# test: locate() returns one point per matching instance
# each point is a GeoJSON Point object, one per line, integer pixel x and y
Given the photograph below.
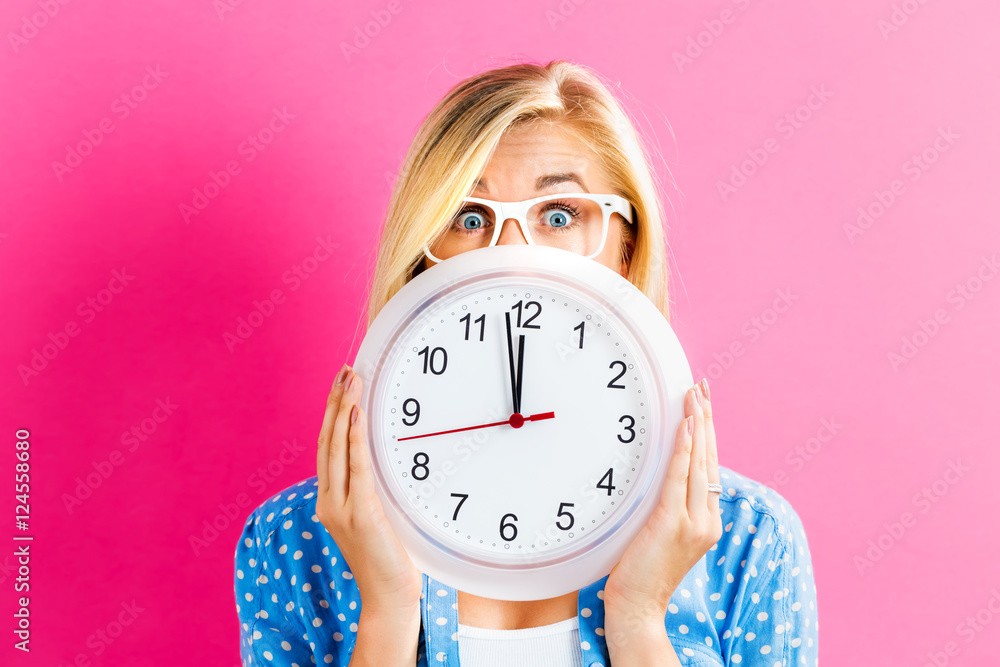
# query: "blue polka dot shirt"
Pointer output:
{"type": "Point", "coordinates": [750, 600]}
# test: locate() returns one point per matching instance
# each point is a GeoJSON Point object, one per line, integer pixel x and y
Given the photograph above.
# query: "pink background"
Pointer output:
{"type": "Point", "coordinates": [327, 174]}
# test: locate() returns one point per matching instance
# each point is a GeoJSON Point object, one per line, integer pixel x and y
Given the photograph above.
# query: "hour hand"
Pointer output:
{"type": "Point", "coordinates": [514, 393]}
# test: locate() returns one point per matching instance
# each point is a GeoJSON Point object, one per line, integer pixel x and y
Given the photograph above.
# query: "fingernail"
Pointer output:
{"type": "Point", "coordinates": [704, 388]}
{"type": "Point", "coordinates": [354, 414]}
{"type": "Point", "coordinates": [354, 377]}
{"type": "Point", "coordinates": [697, 394]}
{"type": "Point", "coordinates": [690, 421]}
{"type": "Point", "coordinates": [341, 375]}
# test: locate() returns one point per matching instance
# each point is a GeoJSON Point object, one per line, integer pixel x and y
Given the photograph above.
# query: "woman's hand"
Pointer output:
{"type": "Point", "coordinates": [347, 505]}
{"type": "Point", "coordinates": [683, 527]}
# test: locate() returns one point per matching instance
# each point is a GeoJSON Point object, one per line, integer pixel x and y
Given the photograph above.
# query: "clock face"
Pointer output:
{"type": "Point", "coordinates": [511, 419]}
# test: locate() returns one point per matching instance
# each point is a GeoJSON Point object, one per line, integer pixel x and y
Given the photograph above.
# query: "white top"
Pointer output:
{"type": "Point", "coordinates": [555, 645]}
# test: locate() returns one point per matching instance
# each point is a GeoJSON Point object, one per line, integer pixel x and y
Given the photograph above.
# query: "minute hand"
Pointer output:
{"type": "Point", "coordinates": [520, 368]}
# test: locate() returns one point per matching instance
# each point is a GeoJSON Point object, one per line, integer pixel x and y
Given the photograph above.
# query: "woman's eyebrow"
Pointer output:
{"type": "Point", "coordinates": [544, 182]}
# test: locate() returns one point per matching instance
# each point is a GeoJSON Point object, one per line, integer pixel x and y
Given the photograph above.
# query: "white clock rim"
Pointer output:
{"type": "Point", "coordinates": [669, 371]}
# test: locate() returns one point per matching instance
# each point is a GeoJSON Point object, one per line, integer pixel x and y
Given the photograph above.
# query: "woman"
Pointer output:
{"type": "Point", "coordinates": [321, 577]}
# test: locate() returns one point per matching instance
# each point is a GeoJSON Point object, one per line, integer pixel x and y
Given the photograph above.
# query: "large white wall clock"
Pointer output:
{"type": "Point", "coordinates": [522, 404]}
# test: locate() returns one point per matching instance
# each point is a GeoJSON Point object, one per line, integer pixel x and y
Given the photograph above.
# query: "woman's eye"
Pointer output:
{"type": "Point", "coordinates": [557, 218]}
{"type": "Point", "coordinates": [470, 221]}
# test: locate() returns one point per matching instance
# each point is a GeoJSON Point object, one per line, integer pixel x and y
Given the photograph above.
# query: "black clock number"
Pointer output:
{"type": "Point", "coordinates": [561, 512]}
{"type": "Point", "coordinates": [414, 412]}
{"type": "Point", "coordinates": [580, 327]}
{"type": "Point", "coordinates": [628, 428]}
{"type": "Point", "coordinates": [420, 465]}
{"type": "Point", "coordinates": [607, 476]}
{"type": "Point", "coordinates": [481, 321]}
{"type": "Point", "coordinates": [612, 385]}
{"type": "Point", "coordinates": [519, 306]}
{"type": "Point", "coordinates": [431, 359]}
{"type": "Point", "coordinates": [504, 526]}
{"type": "Point", "coordinates": [464, 497]}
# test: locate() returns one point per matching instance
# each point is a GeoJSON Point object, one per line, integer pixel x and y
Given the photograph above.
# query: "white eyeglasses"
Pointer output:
{"type": "Point", "coordinates": [577, 222]}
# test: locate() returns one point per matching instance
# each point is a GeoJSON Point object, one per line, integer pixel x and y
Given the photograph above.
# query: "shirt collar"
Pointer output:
{"type": "Point", "coordinates": [439, 624]}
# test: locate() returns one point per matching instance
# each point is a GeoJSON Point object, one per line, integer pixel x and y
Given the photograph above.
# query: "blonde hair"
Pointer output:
{"type": "Point", "coordinates": [454, 144]}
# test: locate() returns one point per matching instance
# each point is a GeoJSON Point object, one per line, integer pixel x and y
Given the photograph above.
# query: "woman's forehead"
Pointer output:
{"type": "Point", "coordinates": [541, 161]}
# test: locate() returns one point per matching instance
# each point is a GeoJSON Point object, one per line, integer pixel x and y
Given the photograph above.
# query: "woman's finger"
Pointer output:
{"type": "Point", "coordinates": [326, 431]}
{"type": "Point", "coordinates": [339, 455]}
{"type": "Point", "coordinates": [674, 493]}
{"type": "Point", "coordinates": [697, 491]}
{"type": "Point", "coordinates": [360, 463]}
{"type": "Point", "coordinates": [711, 451]}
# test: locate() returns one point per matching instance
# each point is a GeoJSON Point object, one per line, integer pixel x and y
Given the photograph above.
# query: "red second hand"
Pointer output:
{"type": "Point", "coordinates": [516, 420]}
